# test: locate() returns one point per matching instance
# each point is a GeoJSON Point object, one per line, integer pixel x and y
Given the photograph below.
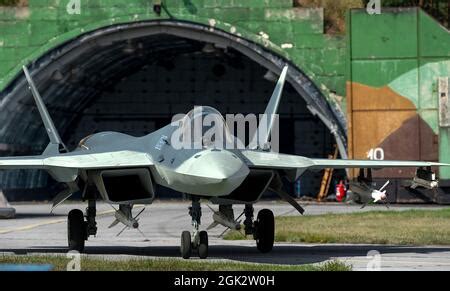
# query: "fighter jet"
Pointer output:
{"type": "Point", "coordinates": [123, 170]}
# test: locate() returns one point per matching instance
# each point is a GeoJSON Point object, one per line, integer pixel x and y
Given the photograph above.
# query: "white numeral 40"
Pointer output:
{"type": "Point", "coordinates": [376, 154]}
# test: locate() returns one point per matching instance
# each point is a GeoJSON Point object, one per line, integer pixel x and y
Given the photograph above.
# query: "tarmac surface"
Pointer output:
{"type": "Point", "coordinates": [36, 231]}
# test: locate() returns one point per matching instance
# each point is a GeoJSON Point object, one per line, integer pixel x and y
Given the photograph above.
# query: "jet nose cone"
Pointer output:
{"type": "Point", "coordinates": [212, 172]}
{"type": "Point", "coordinates": [220, 165]}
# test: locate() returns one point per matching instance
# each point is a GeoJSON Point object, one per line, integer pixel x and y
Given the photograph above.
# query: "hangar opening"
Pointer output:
{"type": "Point", "coordinates": [134, 78]}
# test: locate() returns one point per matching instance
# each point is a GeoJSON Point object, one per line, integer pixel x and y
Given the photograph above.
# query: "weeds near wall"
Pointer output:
{"type": "Point", "coordinates": [13, 2]}
{"type": "Point", "coordinates": [334, 12]}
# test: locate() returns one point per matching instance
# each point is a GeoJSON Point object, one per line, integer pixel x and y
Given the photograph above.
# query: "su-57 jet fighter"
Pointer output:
{"type": "Point", "coordinates": [123, 170]}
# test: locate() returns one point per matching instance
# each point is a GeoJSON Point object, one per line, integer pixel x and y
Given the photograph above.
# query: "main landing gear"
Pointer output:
{"type": "Point", "coordinates": [79, 229]}
{"type": "Point", "coordinates": [263, 228]}
{"type": "Point", "coordinates": [199, 239]}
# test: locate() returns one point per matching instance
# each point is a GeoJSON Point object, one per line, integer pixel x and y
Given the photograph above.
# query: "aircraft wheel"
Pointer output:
{"type": "Point", "coordinates": [186, 246]}
{"type": "Point", "coordinates": [203, 246]}
{"type": "Point", "coordinates": [76, 230]}
{"type": "Point", "coordinates": [265, 230]}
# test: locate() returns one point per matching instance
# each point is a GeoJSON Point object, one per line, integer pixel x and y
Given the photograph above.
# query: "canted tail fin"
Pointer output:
{"type": "Point", "coordinates": [262, 136]}
{"type": "Point", "coordinates": [56, 144]}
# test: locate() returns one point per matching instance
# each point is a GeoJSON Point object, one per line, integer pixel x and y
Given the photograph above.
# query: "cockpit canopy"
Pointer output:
{"type": "Point", "coordinates": [204, 127]}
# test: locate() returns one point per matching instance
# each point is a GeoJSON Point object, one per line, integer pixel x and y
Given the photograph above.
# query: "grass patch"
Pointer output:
{"type": "Point", "coordinates": [409, 227]}
{"type": "Point", "coordinates": [97, 264]}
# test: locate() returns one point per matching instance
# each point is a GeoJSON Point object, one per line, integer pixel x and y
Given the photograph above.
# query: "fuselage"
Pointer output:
{"type": "Point", "coordinates": [209, 172]}
{"type": "Point", "coordinates": [198, 171]}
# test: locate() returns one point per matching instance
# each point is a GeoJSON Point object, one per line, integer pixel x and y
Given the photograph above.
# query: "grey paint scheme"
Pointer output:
{"type": "Point", "coordinates": [206, 172]}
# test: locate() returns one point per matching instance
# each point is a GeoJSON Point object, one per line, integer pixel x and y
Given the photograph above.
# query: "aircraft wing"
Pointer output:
{"type": "Point", "coordinates": [344, 164]}
{"type": "Point", "coordinates": [79, 160]}
{"type": "Point", "coordinates": [66, 167]}
{"type": "Point", "coordinates": [261, 159]}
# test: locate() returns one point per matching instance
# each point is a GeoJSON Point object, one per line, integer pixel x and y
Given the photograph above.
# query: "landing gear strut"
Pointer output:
{"type": "Point", "coordinates": [78, 230]}
{"type": "Point", "coordinates": [248, 222]}
{"type": "Point", "coordinates": [91, 213]}
{"type": "Point", "coordinates": [263, 229]}
{"type": "Point", "coordinates": [199, 239]}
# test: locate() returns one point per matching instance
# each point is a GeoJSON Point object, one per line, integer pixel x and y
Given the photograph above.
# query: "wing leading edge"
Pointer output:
{"type": "Point", "coordinates": [65, 167]}
{"type": "Point", "coordinates": [76, 160]}
{"type": "Point", "coordinates": [260, 159]}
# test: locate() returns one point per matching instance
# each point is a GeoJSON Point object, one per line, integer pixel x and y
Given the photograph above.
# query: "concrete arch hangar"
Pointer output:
{"type": "Point", "coordinates": [75, 77]}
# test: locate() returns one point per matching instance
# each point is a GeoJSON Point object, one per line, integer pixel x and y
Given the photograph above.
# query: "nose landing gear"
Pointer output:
{"type": "Point", "coordinates": [199, 240]}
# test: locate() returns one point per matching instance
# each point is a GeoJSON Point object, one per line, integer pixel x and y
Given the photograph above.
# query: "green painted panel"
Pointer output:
{"type": "Point", "coordinates": [13, 28]}
{"type": "Point", "coordinates": [295, 14]}
{"type": "Point", "coordinates": [333, 83]}
{"type": "Point", "coordinates": [8, 13]}
{"type": "Point", "coordinates": [12, 53]}
{"type": "Point", "coordinates": [184, 3]}
{"type": "Point", "coordinates": [315, 41]}
{"type": "Point", "coordinates": [246, 3]}
{"type": "Point", "coordinates": [49, 3]}
{"type": "Point", "coordinates": [379, 73]}
{"type": "Point", "coordinates": [407, 84]}
{"type": "Point", "coordinates": [430, 71]}
{"type": "Point", "coordinates": [434, 38]}
{"type": "Point", "coordinates": [323, 61]}
{"type": "Point", "coordinates": [45, 13]}
{"type": "Point", "coordinates": [5, 66]}
{"type": "Point", "coordinates": [232, 15]}
{"type": "Point", "coordinates": [444, 152]}
{"type": "Point", "coordinates": [388, 35]}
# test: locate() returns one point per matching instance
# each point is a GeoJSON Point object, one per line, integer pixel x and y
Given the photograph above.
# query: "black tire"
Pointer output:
{"type": "Point", "coordinates": [265, 230]}
{"type": "Point", "coordinates": [76, 230]}
{"type": "Point", "coordinates": [185, 246]}
{"type": "Point", "coordinates": [203, 246]}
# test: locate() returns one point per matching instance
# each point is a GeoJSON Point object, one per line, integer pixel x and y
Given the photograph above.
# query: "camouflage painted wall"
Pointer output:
{"type": "Point", "coordinates": [295, 33]}
{"type": "Point", "coordinates": [393, 59]}
{"type": "Point", "coordinates": [396, 59]}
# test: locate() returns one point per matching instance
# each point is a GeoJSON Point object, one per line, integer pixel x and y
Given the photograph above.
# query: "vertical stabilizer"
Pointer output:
{"type": "Point", "coordinates": [262, 136]}
{"type": "Point", "coordinates": [55, 139]}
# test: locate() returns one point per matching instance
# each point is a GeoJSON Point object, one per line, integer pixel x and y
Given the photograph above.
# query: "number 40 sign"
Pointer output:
{"type": "Point", "coordinates": [376, 154]}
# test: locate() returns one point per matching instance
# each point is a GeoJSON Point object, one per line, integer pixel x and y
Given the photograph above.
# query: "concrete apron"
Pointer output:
{"type": "Point", "coordinates": [6, 211]}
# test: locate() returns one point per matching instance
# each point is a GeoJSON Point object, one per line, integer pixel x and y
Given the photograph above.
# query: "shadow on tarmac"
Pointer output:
{"type": "Point", "coordinates": [282, 254]}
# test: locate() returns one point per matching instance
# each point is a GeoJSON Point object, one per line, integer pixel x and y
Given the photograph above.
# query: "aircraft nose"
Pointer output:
{"type": "Point", "coordinates": [211, 172]}
{"type": "Point", "coordinates": [221, 165]}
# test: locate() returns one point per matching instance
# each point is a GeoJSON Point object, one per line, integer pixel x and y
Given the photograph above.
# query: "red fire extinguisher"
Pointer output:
{"type": "Point", "coordinates": [340, 191]}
